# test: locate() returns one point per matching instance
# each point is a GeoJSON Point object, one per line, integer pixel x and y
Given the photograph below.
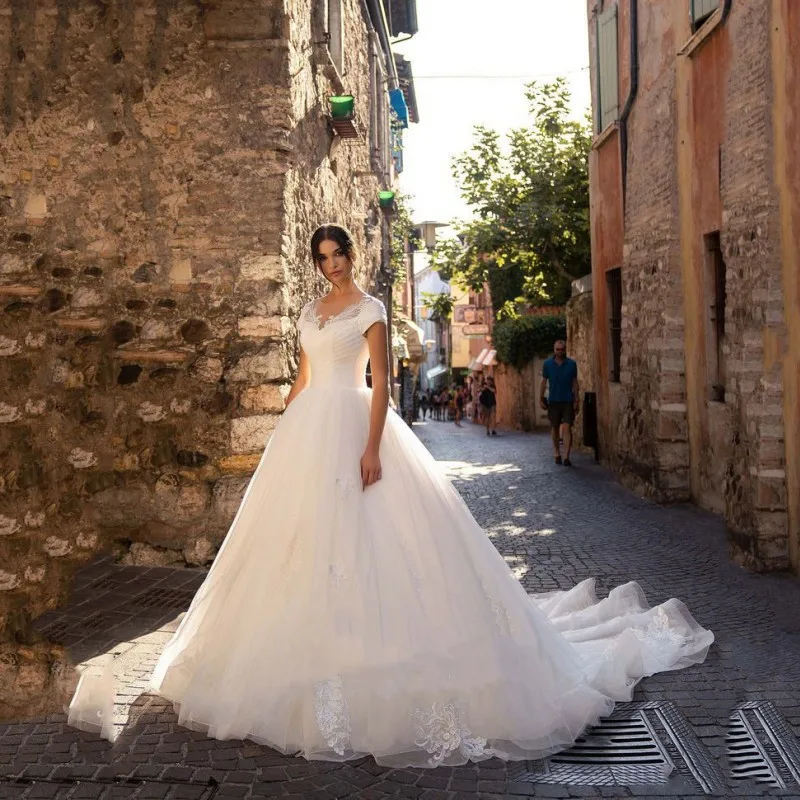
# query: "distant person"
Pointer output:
{"type": "Point", "coordinates": [459, 406]}
{"type": "Point", "coordinates": [488, 401]}
{"type": "Point", "coordinates": [560, 378]}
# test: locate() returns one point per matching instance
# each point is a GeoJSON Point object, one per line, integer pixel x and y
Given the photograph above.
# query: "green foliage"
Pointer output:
{"type": "Point", "coordinates": [519, 339]}
{"type": "Point", "coordinates": [440, 305]}
{"type": "Point", "coordinates": [402, 237]}
{"type": "Point", "coordinates": [529, 237]}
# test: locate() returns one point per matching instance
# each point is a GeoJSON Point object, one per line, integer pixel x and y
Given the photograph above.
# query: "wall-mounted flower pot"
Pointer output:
{"type": "Point", "coordinates": [386, 199]}
{"type": "Point", "coordinates": [342, 106]}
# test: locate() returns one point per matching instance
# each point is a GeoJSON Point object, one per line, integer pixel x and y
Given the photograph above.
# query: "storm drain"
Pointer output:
{"type": "Point", "coordinates": [639, 744]}
{"type": "Point", "coordinates": [202, 791]}
{"type": "Point", "coordinates": [761, 746]}
{"type": "Point", "coordinates": [163, 598]}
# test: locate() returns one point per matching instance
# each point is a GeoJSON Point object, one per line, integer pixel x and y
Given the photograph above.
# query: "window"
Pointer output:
{"type": "Point", "coordinates": [334, 31]}
{"type": "Point", "coordinates": [607, 70]}
{"type": "Point", "coordinates": [715, 285]}
{"type": "Point", "coordinates": [614, 284]}
{"type": "Point", "coordinates": [701, 10]}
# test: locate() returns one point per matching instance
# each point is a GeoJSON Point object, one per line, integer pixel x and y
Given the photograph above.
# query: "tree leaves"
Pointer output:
{"type": "Point", "coordinates": [530, 200]}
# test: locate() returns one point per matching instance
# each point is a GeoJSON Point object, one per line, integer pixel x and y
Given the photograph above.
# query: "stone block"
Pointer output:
{"type": "Point", "coordinates": [239, 465]}
{"type": "Point", "coordinates": [11, 263]}
{"type": "Point", "coordinates": [259, 267]}
{"type": "Point", "coordinates": [226, 496]}
{"type": "Point", "coordinates": [141, 554]}
{"type": "Point", "coordinates": [250, 434]}
{"type": "Point", "coordinates": [267, 397]}
{"type": "Point", "coordinates": [177, 504]}
{"type": "Point", "coordinates": [771, 492]}
{"type": "Point", "coordinates": [121, 507]}
{"type": "Point", "coordinates": [199, 551]}
{"type": "Point", "coordinates": [181, 271]}
{"type": "Point", "coordinates": [240, 20]}
{"type": "Point", "coordinates": [258, 327]}
{"type": "Point", "coordinates": [155, 329]}
{"type": "Point", "coordinates": [256, 369]}
{"type": "Point", "coordinates": [208, 370]}
{"type": "Point", "coordinates": [672, 426]}
{"type": "Point", "coordinates": [673, 455]}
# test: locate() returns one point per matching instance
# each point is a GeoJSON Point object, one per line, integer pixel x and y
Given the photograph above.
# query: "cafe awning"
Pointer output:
{"type": "Point", "coordinates": [413, 338]}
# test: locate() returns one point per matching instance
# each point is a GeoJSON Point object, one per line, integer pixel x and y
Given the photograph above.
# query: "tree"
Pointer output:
{"type": "Point", "coordinates": [529, 237]}
{"type": "Point", "coordinates": [439, 304]}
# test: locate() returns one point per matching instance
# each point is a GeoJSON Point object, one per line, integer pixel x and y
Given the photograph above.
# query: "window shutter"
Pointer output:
{"type": "Point", "coordinates": [607, 69]}
{"type": "Point", "coordinates": [702, 8]}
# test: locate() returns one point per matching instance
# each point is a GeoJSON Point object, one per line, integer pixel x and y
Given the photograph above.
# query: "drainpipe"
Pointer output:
{"type": "Point", "coordinates": [634, 88]}
{"type": "Point", "coordinates": [374, 11]}
{"type": "Point", "coordinates": [726, 10]}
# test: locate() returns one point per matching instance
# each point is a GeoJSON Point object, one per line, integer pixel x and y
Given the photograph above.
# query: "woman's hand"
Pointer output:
{"type": "Point", "coordinates": [370, 468]}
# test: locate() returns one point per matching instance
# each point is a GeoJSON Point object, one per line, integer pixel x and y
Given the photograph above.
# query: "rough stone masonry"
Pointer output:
{"type": "Point", "coordinates": [162, 165]}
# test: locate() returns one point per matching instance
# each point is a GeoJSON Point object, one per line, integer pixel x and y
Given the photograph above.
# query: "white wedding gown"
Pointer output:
{"type": "Point", "coordinates": [337, 623]}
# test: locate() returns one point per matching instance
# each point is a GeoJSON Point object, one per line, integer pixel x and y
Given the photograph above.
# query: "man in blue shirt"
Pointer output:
{"type": "Point", "coordinates": [561, 375]}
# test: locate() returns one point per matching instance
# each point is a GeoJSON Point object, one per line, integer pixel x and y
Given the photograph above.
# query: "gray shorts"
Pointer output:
{"type": "Point", "coordinates": [561, 414]}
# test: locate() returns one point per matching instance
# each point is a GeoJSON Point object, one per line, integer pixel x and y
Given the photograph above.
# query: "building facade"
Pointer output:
{"type": "Point", "coordinates": [435, 369]}
{"type": "Point", "coordinates": [695, 213]}
{"type": "Point", "coordinates": [162, 167]}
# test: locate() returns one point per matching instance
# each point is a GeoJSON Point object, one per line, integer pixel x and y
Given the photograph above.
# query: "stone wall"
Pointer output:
{"type": "Point", "coordinates": [518, 396]}
{"type": "Point", "coordinates": [580, 347]}
{"type": "Point", "coordinates": [162, 165]}
{"type": "Point", "coordinates": [700, 160]}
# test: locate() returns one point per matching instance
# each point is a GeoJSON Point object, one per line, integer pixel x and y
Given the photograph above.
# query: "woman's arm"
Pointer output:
{"type": "Point", "coordinates": [379, 366]}
{"type": "Point", "coordinates": [302, 379]}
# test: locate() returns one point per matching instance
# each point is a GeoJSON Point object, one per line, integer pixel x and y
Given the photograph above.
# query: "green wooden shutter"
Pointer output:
{"type": "Point", "coordinates": [702, 8]}
{"type": "Point", "coordinates": [607, 69]}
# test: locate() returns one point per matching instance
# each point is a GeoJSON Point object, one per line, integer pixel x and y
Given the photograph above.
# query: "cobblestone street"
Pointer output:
{"type": "Point", "coordinates": [555, 526]}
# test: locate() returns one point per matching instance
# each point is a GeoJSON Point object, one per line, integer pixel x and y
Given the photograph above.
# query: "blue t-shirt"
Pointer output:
{"type": "Point", "coordinates": [559, 379]}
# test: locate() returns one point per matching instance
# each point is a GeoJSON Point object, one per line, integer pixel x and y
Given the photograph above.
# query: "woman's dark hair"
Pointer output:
{"type": "Point", "coordinates": [333, 233]}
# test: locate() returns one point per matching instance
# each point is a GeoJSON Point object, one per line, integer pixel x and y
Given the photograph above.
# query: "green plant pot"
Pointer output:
{"type": "Point", "coordinates": [342, 106]}
{"type": "Point", "coordinates": [385, 199]}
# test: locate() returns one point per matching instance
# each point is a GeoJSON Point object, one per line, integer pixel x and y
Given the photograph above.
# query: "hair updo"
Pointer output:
{"type": "Point", "coordinates": [333, 233]}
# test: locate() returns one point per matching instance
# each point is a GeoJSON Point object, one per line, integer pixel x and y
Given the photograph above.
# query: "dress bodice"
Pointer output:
{"type": "Point", "coordinates": [336, 346]}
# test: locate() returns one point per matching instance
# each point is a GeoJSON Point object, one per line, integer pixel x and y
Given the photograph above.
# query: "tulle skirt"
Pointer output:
{"type": "Point", "coordinates": [338, 622]}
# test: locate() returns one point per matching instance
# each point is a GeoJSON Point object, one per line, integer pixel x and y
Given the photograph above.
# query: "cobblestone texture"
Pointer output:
{"type": "Point", "coordinates": [554, 526]}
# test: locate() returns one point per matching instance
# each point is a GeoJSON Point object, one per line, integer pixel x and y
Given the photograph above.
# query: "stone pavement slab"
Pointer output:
{"type": "Point", "coordinates": [555, 526]}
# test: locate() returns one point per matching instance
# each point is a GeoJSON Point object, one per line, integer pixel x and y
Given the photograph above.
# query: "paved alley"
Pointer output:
{"type": "Point", "coordinates": [735, 716]}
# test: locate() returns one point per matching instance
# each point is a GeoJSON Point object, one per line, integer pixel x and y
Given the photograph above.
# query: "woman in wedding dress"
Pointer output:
{"type": "Point", "coordinates": [356, 607]}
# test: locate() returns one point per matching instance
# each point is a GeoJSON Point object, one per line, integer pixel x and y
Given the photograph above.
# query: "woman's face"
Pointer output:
{"type": "Point", "coordinates": [333, 261]}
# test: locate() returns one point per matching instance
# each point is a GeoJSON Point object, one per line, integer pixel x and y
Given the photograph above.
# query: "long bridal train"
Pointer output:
{"type": "Point", "coordinates": [337, 623]}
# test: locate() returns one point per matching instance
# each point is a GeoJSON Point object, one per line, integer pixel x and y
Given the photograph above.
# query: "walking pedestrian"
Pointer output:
{"type": "Point", "coordinates": [488, 399]}
{"type": "Point", "coordinates": [560, 379]}
{"type": "Point", "coordinates": [459, 406]}
{"type": "Point", "coordinates": [423, 403]}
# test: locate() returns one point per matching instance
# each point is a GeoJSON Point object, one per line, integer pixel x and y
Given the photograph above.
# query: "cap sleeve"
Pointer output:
{"type": "Point", "coordinates": [372, 312]}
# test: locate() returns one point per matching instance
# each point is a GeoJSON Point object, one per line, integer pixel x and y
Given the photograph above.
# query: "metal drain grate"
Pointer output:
{"type": "Point", "coordinates": [206, 790]}
{"type": "Point", "coordinates": [761, 747]}
{"type": "Point", "coordinates": [163, 598]}
{"type": "Point", "coordinates": [639, 744]}
{"type": "Point", "coordinates": [110, 582]}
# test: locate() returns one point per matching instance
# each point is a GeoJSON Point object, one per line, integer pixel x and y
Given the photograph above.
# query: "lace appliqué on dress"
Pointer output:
{"type": "Point", "coordinates": [501, 614]}
{"type": "Point", "coordinates": [330, 710]}
{"type": "Point", "coordinates": [659, 629]}
{"type": "Point", "coordinates": [338, 575]}
{"type": "Point", "coordinates": [441, 732]}
{"type": "Point", "coordinates": [348, 312]}
{"type": "Point", "coordinates": [345, 485]}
